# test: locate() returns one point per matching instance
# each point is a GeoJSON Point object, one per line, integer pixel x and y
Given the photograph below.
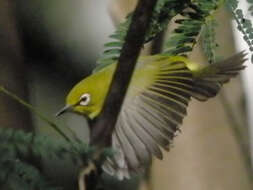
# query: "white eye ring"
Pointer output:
{"type": "Point", "coordinates": [84, 99]}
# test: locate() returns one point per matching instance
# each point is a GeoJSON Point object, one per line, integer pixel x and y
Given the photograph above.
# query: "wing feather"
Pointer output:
{"type": "Point", "coordinates": [127, 147]}
{"type": "Point", "coordinates": [155, 106]}
{"type": "Point", "coordinates": [146, 138]}
{"type": "Point", "coordinates": [165, 112]}
{"type": "Point", "coordinates": [139, 147]}
{"type": "Point", "coordinates": [151, 114]}
{"type": "Point", "coordinates": [169, 126]}
{"type": "Point", "coordinates": [150, 129]}
{"type": "Point", "coordinates": [167, 101]}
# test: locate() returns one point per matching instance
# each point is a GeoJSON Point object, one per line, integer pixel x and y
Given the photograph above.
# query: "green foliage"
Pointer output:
{"type": "Point", "coordinates": [209, 43]}
{"type": "Point", "coordinates": [20, 175]}
{"type": "Point", "coordinates": [195, 15]}
{"type": "Point", "coordinates": [184, 37]}
{"type": "Point", "coordinates": [244, 25]}
{"type": "Point", "coordinates": [15, 148]}
{"type": "Point", "coordinates": [164, 11]}
{"type": "Point", "coordinates": [250, 9]}
{"type": "Point", "coordinates": [21, 155]}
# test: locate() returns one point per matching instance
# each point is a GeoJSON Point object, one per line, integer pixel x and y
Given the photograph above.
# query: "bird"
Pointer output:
{"type": "Point", "coordinates": [155, 104]}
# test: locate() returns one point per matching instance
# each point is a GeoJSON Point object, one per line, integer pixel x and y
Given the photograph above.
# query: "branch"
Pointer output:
{"type": "Point", "coordinates": [104, 126]}
{"type": "Point", "coordinates": [157, 45]}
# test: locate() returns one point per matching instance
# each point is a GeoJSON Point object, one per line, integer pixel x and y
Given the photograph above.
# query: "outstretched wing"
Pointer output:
{"type": "Point", "coordinates": [153, 109]}
{"type": "Point", "coordinates": [155, 106]}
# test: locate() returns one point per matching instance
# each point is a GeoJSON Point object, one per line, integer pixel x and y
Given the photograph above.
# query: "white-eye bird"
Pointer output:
{"type": "Point", "coordinates": [154, 106]}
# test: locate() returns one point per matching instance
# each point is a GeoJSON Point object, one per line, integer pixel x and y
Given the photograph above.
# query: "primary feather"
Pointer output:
{"type": "Point", "coordinates": [154, 106]}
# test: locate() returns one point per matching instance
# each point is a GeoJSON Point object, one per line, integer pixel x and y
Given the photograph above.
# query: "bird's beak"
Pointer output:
{"type": "Point", "coordinates": [66, 108]}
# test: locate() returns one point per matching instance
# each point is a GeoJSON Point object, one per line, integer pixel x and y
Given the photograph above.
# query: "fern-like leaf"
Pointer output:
{"type": "Point", "coordinates": [244, 25]}
{"type": "Point", "coordinates": [208, 39]}
{"type": "Point", "coordinates": [184, 37]}
{"type": "Point", "coordinates": [18, 147]}
{"type": "Point", "coordinates": [164, 11]}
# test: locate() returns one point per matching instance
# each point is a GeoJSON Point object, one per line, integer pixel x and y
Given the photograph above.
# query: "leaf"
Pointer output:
{"type": "Point", "coordinates": [164, 11]}
{"type": "Point", "coordinates": [184, 37]}
{"type": "Point", "coordinates": [243, 25]}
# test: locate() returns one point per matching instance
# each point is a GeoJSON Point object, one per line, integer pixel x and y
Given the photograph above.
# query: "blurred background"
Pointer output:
{"type": "Point", "coordinates": [47, 46]}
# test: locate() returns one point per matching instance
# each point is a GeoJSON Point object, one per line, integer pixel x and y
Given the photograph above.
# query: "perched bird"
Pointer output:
{"type": "Point", "coordinates": [154, 106]}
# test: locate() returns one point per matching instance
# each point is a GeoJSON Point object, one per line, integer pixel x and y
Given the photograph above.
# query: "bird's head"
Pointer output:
{"type": "Point", "coordinates": [85, 98]}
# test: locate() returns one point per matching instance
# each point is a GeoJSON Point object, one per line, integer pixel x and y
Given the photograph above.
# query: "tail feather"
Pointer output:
{"type": "Point", "coordinates": [208, 84]}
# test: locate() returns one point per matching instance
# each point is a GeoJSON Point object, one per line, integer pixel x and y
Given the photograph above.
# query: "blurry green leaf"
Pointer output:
{"type": "Point", "coordinates": [114, 44]}
{"type": "Point", "coordinates": [164, 11]}
{"type": "Point", "coordinates": [183, 38]}
{"type": "Point", "coordinates": [112, 52]}
{"type": "Point", "coordinates": [244, 25]}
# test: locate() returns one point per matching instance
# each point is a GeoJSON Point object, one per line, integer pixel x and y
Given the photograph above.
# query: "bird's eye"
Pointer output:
{"type": "Point", "coordinates": [84, 99]}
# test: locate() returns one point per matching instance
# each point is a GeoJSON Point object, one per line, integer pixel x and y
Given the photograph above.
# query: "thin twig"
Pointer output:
{"type": "Point", "coordinates": [83, 173]}
{"type": "Point", "coordinates": [30, 107]}
{"type": "Point", "coordinates": [157, 44]}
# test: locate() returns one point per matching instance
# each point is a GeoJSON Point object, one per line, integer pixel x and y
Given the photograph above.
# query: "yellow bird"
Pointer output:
{"type": "Point", "coordinates": [154, 106]}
